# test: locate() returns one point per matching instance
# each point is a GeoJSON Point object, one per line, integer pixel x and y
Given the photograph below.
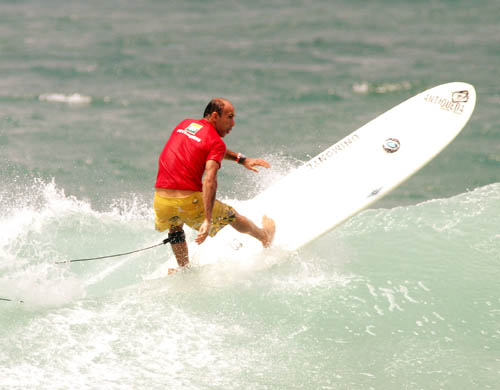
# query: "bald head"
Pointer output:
{"type": "Point", "coordinates": [215, 105]}
{"type": "Point", "coordinates": [220, 113]}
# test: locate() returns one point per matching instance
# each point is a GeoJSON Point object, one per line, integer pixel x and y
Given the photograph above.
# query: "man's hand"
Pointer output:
{"type": "Point", "coordinates": [251, 163]}
{"type": "Point", "coordinates": [203, 232]}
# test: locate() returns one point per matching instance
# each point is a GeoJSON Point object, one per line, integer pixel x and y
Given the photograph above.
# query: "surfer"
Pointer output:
{"type": "Point", "coordinates": [186, 183]}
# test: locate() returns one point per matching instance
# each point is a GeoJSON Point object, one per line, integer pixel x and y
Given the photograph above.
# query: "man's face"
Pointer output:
{"type": "Point", "coordinates": [225, 122]}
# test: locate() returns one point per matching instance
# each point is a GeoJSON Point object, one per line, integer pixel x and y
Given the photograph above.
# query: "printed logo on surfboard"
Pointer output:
{"type": "Point", "coordinates": [236, 245]}
{"type": "Point", "coordinates": [333, 150]}
{"type": "Point", "coordinates": [391, 145]}
{"type": "Point", "coordinates": [460, 96]}
{"type": "Point", "coordinates": [455, 104]}
{"type": "Point", "coordinates": [375, 192]}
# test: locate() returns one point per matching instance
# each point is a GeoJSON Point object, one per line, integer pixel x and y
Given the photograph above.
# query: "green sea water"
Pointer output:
{"type": "Point", "coordinates": [405, 295]}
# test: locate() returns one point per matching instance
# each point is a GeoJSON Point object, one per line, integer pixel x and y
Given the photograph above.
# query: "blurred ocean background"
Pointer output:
{"type": "Point", "coordinates": [406, 295]}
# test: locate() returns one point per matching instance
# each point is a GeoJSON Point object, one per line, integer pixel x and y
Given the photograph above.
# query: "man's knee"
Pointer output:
{"type": "Point", "coordinates": [236, 219]}
{"type": "Point", "coordinates": [242, 223]}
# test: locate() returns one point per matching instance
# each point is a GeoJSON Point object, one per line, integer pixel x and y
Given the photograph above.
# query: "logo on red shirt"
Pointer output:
{"type": "Point", "coordinates": [191, 130]}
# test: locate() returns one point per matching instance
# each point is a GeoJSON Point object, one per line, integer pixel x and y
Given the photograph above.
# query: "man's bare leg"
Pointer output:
{"type": "Point", "coordinates": [180, 249]}
{"type": "Point", "coordinates": [264, 235]}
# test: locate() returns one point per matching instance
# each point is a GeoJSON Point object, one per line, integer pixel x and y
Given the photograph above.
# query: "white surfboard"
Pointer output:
{"type": "Point", "coordinates": [352, 174]}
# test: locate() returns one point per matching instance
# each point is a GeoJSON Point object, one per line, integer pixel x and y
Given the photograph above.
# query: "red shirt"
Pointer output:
{"type": "Point", "coordinates": [182, 161]}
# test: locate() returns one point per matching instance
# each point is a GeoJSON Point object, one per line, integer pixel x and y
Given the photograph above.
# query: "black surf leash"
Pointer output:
{"type": "Point", "coordinates": [165, 241]}
{"type": "Point", "coordinates": [10, 300]}
{"type": "Point", "coordinates": [174, 238]}
{"type": "Point", "coordinates": [171, 238]}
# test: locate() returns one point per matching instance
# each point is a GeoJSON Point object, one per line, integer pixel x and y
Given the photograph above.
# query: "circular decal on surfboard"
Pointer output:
{"type": "Point", "coordinates": [391, 145]}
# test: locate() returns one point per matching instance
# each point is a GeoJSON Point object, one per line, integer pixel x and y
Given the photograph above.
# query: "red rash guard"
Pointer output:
{"type": "Point", "coordinates": [182, 161]}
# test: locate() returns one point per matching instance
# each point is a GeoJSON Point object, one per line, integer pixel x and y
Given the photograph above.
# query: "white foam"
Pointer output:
{"type": "Point", "coordinates": [42, 285]}
{"type": "Point", "coordinates": [31, 212]}
{"type": "Point", "coordinates": [44, 226]}
{"type": "Point", "coordinates": [364, 88]}
{"type": "Point", "coordinates": [74, 98]}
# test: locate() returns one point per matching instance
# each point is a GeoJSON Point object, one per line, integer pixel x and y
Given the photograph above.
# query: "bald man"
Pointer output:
{"type": "Point", "coordinates": [186, 183]}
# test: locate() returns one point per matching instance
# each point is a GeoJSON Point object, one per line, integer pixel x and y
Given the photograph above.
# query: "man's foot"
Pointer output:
{"type": "Point", "coordinates": [180, 269]}
{"type": "Point", "coordinates": [269, 228]}
{"type": "Point", "coordinates": [172, 271]}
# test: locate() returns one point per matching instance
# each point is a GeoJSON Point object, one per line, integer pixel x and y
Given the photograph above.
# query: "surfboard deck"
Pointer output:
{"type": "Point", "coordinates": [352, 174]}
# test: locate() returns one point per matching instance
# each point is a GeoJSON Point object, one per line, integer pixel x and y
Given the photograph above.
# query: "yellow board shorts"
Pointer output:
{"type": "Point", "coordinates": [172, 212]}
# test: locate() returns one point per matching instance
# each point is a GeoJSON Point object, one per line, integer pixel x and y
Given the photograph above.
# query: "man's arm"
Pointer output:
{"type": "Point", "coordinates": [247, 162]}
{"type": "Point", "coordinates": [209, 191]}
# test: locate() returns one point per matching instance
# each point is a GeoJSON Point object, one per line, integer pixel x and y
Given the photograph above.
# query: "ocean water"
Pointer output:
{"type": "Point", "coordinates": [405, 295]}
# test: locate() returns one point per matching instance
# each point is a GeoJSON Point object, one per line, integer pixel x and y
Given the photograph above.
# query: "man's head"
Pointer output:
{"type": "Point", "coordinates": [220, 113]}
